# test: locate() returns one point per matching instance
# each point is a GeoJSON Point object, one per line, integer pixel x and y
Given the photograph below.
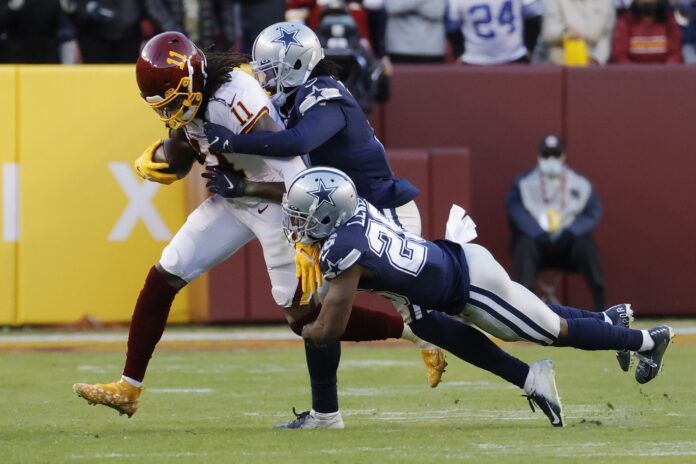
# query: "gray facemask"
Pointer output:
{"type": "Point", "coordinates": [551, 167]}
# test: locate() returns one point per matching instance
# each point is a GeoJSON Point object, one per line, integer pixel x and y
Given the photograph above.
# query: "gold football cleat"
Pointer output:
{"type": "Point", "coordinates": [120, 395]}
{"type": "Point", "coordinates": [435, 364]}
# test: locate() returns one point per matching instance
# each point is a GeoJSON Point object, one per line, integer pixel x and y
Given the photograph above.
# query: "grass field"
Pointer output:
{"type": "Point", "coordinates": [219, 406]}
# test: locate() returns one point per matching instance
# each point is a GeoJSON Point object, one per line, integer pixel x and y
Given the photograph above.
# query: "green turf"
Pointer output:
{"type": "Point", "coordinates": [390, 413]}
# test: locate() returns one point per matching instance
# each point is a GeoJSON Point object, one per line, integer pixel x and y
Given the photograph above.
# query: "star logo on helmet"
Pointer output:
{"type": "Point", "coordinates": [323, 194]}
{"type": "Point", "coordinates": [287, 38]}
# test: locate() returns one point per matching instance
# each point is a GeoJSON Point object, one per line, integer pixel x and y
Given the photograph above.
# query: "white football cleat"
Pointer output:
{"type": "Point", "coordinates": [540, 389]}
{"type": "Point", "coordinates": [314, 420]}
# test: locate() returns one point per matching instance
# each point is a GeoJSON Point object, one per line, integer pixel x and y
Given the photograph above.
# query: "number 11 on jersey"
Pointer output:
{"type": "Point", "coordinates": [241, 113]}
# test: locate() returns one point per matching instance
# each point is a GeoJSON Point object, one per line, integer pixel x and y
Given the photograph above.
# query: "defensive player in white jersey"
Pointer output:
{"type": "Point", "coordinates": [493, 29]}
{"type": "Point", "coordinates": [186, 89]}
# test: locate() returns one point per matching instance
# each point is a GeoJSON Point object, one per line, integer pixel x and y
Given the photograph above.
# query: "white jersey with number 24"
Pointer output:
{"type": "Point", "coordinates": [493, 30]}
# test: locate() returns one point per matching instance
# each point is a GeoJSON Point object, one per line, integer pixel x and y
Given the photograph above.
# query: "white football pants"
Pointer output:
{"type": "Point", "coordinates": [405, 216]}
{"type": "Point", "coordinates": [502, 307]}
{"type": "Point", "coordinates": [217, 228]}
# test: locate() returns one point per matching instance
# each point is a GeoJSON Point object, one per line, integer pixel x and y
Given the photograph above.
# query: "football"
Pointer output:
{"type": "Point", "coordinates": [178, 153]}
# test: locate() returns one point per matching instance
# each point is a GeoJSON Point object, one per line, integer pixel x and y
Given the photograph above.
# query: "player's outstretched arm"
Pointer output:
{"type": "Point", "coordinates": [335, 311]}
{"type": "Point", "coordinates": [230, 183]}
{"type": "Point", "coordinates": [316, 127]}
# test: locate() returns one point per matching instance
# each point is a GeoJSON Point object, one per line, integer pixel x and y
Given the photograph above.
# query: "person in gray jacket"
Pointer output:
{"type": "Point", "coordinates": [415, 31]}
{"type": "Point", "coordinates": [552, 211]}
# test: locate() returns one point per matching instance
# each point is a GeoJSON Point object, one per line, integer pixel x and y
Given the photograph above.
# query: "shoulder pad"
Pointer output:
{"type": "Point", "coordinates": [317, 90]}
{"type": "Point", "coordinates": [336, 257]}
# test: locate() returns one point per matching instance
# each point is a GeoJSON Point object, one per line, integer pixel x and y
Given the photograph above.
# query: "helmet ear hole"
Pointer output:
{"type": "Point", "coordinates": [326, 220]}
{"type": "Point", "coordinates": [298, 65]}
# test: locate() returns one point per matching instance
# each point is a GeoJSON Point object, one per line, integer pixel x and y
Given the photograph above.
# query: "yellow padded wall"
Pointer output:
{"type": "Point", "coordinates": [8, 196]}
{"type": "Point", "coordinates": [90, 228]}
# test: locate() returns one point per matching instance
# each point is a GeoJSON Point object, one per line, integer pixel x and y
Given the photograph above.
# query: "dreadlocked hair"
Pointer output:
{"type": "Point", "coordinates": [325, 67]}
{"type": "Point", "coordinates": [219, 66]}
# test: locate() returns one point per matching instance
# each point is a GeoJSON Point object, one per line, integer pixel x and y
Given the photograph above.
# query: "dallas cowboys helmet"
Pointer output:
{"type": "Point", "coordinates": [317, 203]}
{"type": "Point", "coordinates": [284, 55]}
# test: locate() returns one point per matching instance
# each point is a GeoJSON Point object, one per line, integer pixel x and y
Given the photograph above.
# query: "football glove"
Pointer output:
{"type": "Point", "coordinates": [219, 138]}
{"type": "Point", "coordinates": [150, 170]}
{"type": "Point", "coordinates": [307, 268]}
{"type": "Point", "coordinates": [225, 181]}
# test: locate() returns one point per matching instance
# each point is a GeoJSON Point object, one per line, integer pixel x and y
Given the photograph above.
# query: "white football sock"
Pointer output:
{"type": "Point", "coordinates": [324, 415]}
{"type": "Point", "coordinates": [408, 334]}
{"type": "Point", "coordinates": [529, 382]}
{"type": "Point", "coordinates": [648, 342]}
{"type": "Point", "coordinates": [133, 382]}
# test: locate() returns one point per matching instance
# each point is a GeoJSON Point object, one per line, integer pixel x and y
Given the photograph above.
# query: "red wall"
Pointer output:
{"type": "Point", "coordinates": [628, 129]}
{"type": "Point", "coordinates": [632, 130]}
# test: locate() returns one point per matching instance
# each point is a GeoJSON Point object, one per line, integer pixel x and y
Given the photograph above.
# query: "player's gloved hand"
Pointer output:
{"type": "Point", "coordinates": [307, 267]}
{"type": "Point", "coordinates": [219, 138]}
{"type": "Point", "coordinates": [150, 170]}
{"type": "Point", "coordinates": [225, 181]}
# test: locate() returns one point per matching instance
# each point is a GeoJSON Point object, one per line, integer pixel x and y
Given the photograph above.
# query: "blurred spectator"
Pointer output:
{"type": "Point", "coordinates": [552, 211]}
{"type": "Point", "coordinates": [532, 11]}
{"type": "Point", "coordinates": [69, 49]}
{"type": "Point", "coordinates": [377, 25]}
{"type": "Point", "coordinates": [685, 15]}
{"type": "Point", "coordinates": [493, 30]}
{"type": "Point", "coordinates": [299, 10]}
{"type": "Point", "coordinates": [108, 30]}
{"type": "Point", "coordinates": [415, 31]}
{"type": "Point", "coordinates": [648, 33]}
{"type": "Point", "coordinates": [454, 35]}
{"type": "Point", "coordinates": [580, 26]}
{"type": "Point", "coordinates": [31, 31]}
{"type": "Point", "coordinates": [621, 5]}
{"type": "Point", "coordinates": [311, 11]}
{"type": "Point", "coordinates": [256, 16]}
{"type": "Point", "coordinates": [360, 71]}
{"type": "Point", "coordinates": [211, 24]}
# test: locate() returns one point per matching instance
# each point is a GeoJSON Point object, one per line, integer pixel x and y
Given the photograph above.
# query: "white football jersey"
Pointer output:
{"type": "Point", "coordinates": [238, 104]}
{"type": "Point", "coordinates": [493, 30]}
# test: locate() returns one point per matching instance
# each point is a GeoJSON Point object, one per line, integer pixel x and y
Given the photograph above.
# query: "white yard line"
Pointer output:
{"type": "Point", "coordinates": [198, 391]}
{"type": "Point", "coordinates": [203, 336]}
{"type": "Point", "coordinates": [176, 336]}
{"type": "Point", "coordinates": [183, 454]}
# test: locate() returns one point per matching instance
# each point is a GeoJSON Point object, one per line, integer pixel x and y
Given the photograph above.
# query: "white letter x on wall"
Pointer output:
{"type": "Point", "coordinates": [140, 194]}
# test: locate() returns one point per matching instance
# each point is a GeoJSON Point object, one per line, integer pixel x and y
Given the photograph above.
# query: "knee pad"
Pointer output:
{"type": "Point", "coordinates": [285, 287]}
{"type": "Point", "coordinates": [284, 296]}
{"type": "Point", "coordinates": [176, 259]}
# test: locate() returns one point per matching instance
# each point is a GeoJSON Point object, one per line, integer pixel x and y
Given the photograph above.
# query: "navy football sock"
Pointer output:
{"type": "Point", "coordinates": [322, 364]}
{"type": "Point", "coordinates": [566, 312]}
{"type": "Point", "coordinates": [471, 345]}
{"type": "Point", "coordinates": [593, 334]}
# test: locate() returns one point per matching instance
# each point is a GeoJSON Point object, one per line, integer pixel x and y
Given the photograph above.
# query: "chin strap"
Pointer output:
{"type": "Point", "coordinates": [280, 98]}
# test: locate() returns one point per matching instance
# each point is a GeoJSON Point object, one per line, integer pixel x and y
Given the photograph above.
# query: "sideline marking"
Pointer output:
{"type": "Point", "coordinates": [168, 337]}
{"type": "Point", "coordinates": [199, 391]}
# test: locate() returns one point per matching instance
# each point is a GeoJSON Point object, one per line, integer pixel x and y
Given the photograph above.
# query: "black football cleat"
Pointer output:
{"type": "Point", "coordinates": [540, 389]}
{"type": "Point", "coordinates": [650, 362]}
{"type": "Point", "coordinates": [622, 315]}
{"type": "Point", "coordinates": [310, 420]}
